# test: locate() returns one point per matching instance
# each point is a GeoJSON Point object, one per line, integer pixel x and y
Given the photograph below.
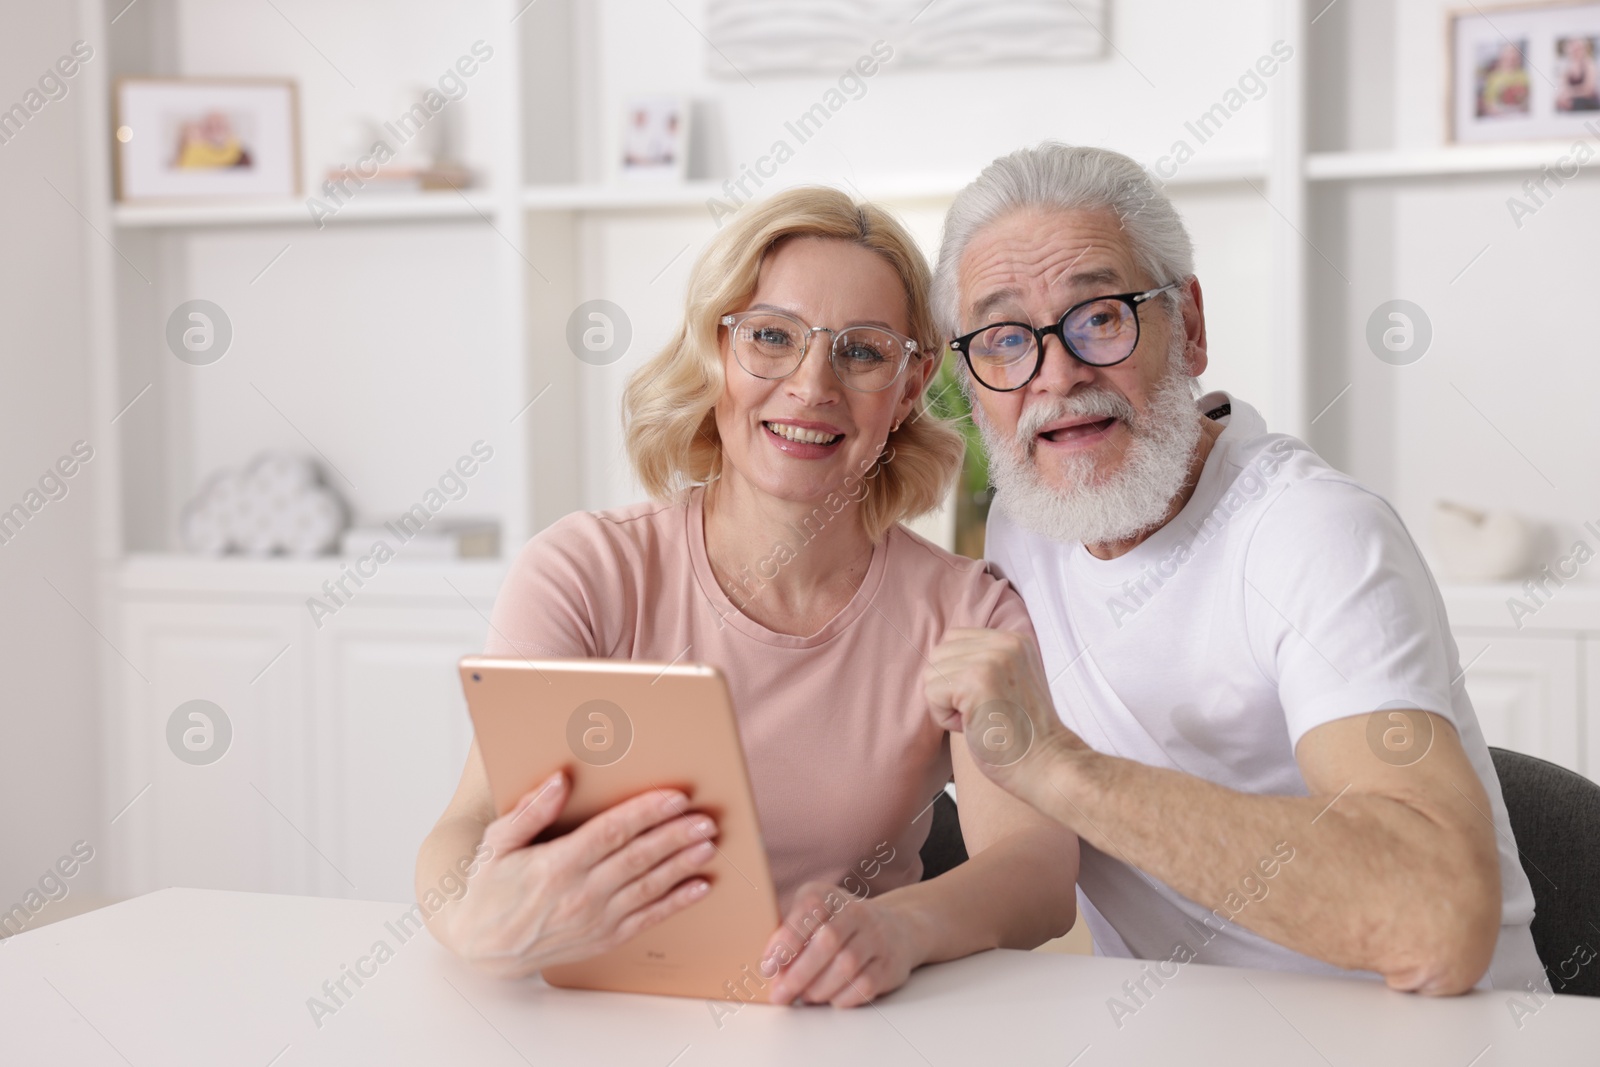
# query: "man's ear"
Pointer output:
{"type": "Point", "coordinates": [1195, 357]}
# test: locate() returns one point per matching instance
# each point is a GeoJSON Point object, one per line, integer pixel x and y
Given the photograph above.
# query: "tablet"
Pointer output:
{"type": "Point", "coordinates": [620, 728]}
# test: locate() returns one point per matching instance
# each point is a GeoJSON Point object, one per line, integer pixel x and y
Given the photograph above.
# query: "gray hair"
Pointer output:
{"type": "Point", "coordinates": [1063, 177]}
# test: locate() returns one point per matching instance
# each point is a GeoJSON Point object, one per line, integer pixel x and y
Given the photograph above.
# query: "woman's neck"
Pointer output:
{"type": "Point", "coordinates": [789, 566]}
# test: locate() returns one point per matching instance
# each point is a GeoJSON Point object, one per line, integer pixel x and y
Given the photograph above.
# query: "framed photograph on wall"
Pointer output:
{"type": "Point", "coordinates": [1528, 71]}
{"type": "Point", "coordinates": [655, 139]}
{"type": "Point", "coordinates": [206, 138]}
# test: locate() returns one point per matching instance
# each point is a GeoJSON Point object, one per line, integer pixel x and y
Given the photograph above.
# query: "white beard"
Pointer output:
{"type": "Point", "coordinates": [1085, 506]}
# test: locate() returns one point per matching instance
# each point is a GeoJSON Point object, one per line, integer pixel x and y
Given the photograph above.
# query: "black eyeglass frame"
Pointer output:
{"type": "Point", "coordinates": [908, 347]}
{"type": "Point", "coordinates": [1058, 330]}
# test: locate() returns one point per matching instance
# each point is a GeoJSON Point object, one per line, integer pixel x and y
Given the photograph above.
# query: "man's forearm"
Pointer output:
{"type": "Point", "coordinates": [1374, 883]}
{"type": "Point", "coordinates": [1018, 893]}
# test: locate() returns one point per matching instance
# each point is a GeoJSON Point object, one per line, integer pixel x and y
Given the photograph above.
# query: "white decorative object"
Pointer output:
{"type": "Point", "coordinates": [1482, 546]}
{"type": "Point", "coordinates": [275, 506]}
{"type": "Point", "coordinates": [761, 37]}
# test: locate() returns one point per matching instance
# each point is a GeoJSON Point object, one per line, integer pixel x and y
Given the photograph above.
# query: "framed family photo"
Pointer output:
{"type": "Point", "coordinates": [1521, 72]}
{"type": "Point", "coordinates": [655, 139]}
{"type": "Point", "coordinates": [203, 138]}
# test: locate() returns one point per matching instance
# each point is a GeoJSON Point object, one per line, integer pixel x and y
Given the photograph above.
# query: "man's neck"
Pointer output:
{"type": "Point", "coordinates": [1210, 430]}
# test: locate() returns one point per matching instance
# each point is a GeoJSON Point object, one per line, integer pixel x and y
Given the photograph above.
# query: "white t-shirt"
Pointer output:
{"type": "Point", "coordinates": [1283, 596]}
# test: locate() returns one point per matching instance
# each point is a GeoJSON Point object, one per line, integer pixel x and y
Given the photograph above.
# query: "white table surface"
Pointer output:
{"type": "Point", "coordinates": [188, 976]}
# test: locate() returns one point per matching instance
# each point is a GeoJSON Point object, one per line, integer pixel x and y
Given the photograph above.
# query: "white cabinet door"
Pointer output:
{"type": "Point", "coordinates": [1526, 692]}
{"type": "Point", "coordinates": [392, 736]}
{"type": "Point", "coordinates": [238, 822]}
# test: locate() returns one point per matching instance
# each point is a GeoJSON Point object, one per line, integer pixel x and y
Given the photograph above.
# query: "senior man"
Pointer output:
{"type": "Point", "coordinates": [1249, 706]}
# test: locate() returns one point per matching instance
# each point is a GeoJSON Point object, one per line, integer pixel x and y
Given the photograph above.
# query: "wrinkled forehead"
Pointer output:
{"type": "Point", "coordinates": [1035, 260]}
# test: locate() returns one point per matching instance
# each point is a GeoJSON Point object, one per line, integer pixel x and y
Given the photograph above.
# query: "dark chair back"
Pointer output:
{"type": "Point", "coordinates": [1555, 815]}
{"type": "Point", "coordinates": [945, 847]}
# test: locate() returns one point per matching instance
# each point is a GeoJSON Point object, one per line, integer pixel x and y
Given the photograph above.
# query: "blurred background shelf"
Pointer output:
{"type": "Point", "coordinates": [1464, 160]}
{"type": "Point", "coordinates": [368, 207]}
{"type": "Point", "coordinates": [157, 573]}
{"type": "Point", "coordinates": [891, 188]}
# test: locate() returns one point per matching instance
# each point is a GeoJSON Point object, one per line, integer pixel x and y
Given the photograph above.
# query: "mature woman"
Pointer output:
{"type": "Point", "coordinates": [783, 436]}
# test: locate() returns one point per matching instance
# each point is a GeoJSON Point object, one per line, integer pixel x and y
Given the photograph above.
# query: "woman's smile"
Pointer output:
{"type": "Point", "coordinates": [802, 439]}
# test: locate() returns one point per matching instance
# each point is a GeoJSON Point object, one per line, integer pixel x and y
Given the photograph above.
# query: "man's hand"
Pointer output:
{"type": "Point", "coordinates": [989, 685]}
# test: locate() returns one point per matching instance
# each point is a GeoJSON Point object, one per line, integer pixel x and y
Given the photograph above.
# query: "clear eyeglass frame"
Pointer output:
{"type": "Point", "coordinates": [907, 347]}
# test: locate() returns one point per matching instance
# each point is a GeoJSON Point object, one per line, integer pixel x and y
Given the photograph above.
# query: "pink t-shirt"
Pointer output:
{"type": "Point", "coordinates": [844, 758]}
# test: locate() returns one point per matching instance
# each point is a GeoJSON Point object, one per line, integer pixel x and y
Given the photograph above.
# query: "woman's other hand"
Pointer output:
{"type": "Point", "coordinates": [835, 948]}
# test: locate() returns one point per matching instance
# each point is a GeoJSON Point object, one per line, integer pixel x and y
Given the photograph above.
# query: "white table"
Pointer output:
{"type": "Point", "coordinates": [187, 976]}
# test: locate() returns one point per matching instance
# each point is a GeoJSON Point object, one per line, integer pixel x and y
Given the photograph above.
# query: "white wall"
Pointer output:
{"type": "Point", "coordinates": [49, 755]}
{"type": "Point", "coordinates": [1171, 61]}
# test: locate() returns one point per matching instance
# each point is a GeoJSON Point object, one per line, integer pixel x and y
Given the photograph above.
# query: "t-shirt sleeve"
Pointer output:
{"type": "Point", "coordinates": [997, 544]}
{"type": "Point", "coordinates": [1342, 611]}
{"type": "Point", "coordinates": [1009, 612]}
{"type": "Point", "coordinates": [546, 606]}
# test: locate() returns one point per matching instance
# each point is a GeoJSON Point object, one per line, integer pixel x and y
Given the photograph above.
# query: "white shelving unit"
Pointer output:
{"type": "Point", "coordinates": [348, 728]}
{"type": "Point", "coordinates": [1395, 211]}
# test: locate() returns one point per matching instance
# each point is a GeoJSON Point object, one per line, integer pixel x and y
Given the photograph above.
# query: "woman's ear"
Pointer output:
{"type": "Point", "coordinates": [918, 374]}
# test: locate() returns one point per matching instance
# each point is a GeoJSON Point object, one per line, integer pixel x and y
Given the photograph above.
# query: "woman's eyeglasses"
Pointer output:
{"type": "Point", "coordinates": [770, 344]}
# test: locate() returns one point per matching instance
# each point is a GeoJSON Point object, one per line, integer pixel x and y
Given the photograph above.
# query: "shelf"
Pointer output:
{"type": "Point", "coordinates": [375, 207]}
{"type": "Point", "coordinates": [404, 207]}
{"type": "Point", "coordinates": [155, 574]}
{"type": "Point", "coordinates": [1573, 608]}
{"type": "Point", "coordinates": [1435, 162]}
{"type": "Point", "coordinates": [889, 188]}
{"type": "Point", "coordinates": [667, 196]}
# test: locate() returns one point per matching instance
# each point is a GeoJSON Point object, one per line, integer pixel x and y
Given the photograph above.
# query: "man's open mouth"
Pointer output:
{"type": "Point", "coordinates": [1079, 431]}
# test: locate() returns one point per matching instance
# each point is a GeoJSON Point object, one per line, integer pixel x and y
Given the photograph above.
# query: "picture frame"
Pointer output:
{"type": "Point", "coordinates": [1528, 71]}
{"type": "Point", "coordinates": [182, 139]}
{"type": "Point", "coordinates": [654, 139]}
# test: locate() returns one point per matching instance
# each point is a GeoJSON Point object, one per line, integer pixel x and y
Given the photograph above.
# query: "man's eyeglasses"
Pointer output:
{"type": "Point", "coordinates": [770, 344]}
{"type": "Point", "coordinates": [1102, 332]}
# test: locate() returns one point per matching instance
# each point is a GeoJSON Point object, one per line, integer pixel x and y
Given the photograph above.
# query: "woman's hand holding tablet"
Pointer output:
{"type": "Point", "coordinates": [532, 906]}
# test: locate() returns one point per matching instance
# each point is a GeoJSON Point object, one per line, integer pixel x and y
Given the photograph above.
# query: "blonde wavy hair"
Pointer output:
{"type": "Point", "coordinates": [668, 406]}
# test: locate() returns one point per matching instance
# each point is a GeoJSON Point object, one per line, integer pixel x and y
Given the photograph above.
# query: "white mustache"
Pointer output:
{"type": "Point", "coordinates": [1098, 404]}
